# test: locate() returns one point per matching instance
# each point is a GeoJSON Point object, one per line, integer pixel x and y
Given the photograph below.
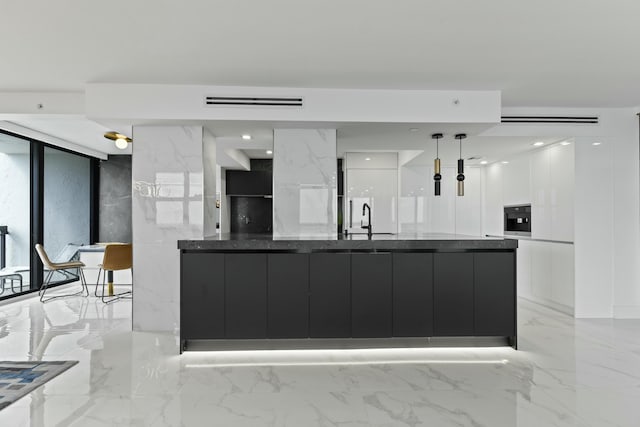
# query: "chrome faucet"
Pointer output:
{"type": "Point", "coordinates": [368, 226]}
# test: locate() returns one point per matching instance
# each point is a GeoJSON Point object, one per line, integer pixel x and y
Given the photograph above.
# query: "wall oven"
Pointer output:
{"type": "Point", "coordinates": [517, 220]}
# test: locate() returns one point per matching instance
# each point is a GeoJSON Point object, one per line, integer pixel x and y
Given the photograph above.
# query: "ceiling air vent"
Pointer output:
{"type": "Point", "coordinates": [253, 101]}
{"type": "Point", "coordinates": [550, 119]}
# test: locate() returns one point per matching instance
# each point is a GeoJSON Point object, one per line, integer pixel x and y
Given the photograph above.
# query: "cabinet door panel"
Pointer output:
{"type": "Point", "coordinates": [453, 294]}
{"type": "Point", "coordinates": [330, 295]}
{"type": "Point", "coordinates": [494, 296]}
{"type": "Point", "coordinates": [246, 295]}
{"type": "Point", "coordinates": [371, 295]}
{"type": "Point", "coordinates": [288, 296]}
{"type": "Point", "coordinates": [202, 296]}
{"type": "Point", "coordinates": [412, 295]}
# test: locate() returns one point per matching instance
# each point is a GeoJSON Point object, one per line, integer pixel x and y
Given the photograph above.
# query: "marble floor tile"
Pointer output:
{"type": "Point", "coordinates": [567, 372]}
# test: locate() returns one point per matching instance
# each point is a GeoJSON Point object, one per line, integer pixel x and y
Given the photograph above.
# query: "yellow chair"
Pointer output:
{"type": "Point", "coordinates": [52, 267]}
{"type": "Point", "coordinates": [116, 257]}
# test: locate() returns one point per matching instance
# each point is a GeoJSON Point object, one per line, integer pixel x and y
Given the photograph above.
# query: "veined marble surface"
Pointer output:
{"type": "Point", "coordinates": [167, 173]}
{"type": "Point", "coordinates": [567, 373]}
{"type": "Point", "coordinates": [305, 189]}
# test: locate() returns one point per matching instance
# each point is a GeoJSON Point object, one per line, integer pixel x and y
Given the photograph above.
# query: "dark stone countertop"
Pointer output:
{"type": "Point", "coordinates": [351, 242]}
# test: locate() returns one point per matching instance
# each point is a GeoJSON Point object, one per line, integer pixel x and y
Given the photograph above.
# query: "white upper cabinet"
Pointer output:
{"type": "Point", "coordinates": [493, 201]}
{"type": "Point", "coordinates": [516, 177]}
{"type": "Point", "coordinates": [441, 210]}
{"type": "Point", "coordinates": [468, 208]}
{"type": "Point", "coordinates": [562, 172]}
{"type": "Point", "coordinates": [540, 197]}
{"type": "Point", "coordinates": [374, 182]}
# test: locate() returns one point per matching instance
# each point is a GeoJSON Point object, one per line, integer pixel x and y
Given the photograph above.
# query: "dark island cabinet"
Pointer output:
{"type": "Point", "coordinates": [245, 295]}
{"type": "Point", "coordinates": [330, 295]}
{"type": "Point", "coordinates": [380, 294]}
{"type": "Point", "coordinates": [412, 294]}
{"type": "Point", "coordinates": [453, 294]}
{"type": "Point", "coordinates": [202, 317]}
{"type": "Point", "coordinates": [288, 296]}
{"type": "Point", "coordinates": [371, 295]}
{"type": "Point", "coordinates": [494, 294]}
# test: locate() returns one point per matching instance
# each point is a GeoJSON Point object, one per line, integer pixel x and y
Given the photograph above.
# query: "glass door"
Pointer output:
{"type": "Point", "coordinates": [15, 174]}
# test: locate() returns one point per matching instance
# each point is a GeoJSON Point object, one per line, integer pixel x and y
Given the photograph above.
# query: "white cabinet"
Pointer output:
{"type": "Point", "coordinates": [541, 270]}
{"type": "Point", "coordinates": [442, 209]}
{"type": "Point", "coordinates": [562, 172]}
{"type": "Point", "coordinates": [468, 209]}
{"type": "Point", "coordinates": [493, 202]}
{"type": "Point", "coordinates": [562, 274]}
{"type": "Point", "coordinates": [552, 183]}
{"type": "Point", "coordinates": [516, 189]}
{"type": "Point", "coordinates": [540, 201]}
{"type": "Point", "coordinates": [372, 178]}
{"type": "Point", "coordinates": [523, 268]}
{"type": "Point", "coordinates": [546, 273]}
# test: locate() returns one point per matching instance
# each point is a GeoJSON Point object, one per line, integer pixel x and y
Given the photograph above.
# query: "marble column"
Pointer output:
{"type": "Point", "coordinates": [210, 178]}
{"type": "Point", "coordinates": [167, 205]}
{"type": "Point", "coordinates": [304, 183]}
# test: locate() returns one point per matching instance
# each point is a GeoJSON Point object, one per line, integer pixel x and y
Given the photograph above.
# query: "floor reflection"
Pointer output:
{"type": "Point", "coordinates": [567, 373]}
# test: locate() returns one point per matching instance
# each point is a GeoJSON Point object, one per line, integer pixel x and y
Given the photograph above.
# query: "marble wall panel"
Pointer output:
{"type": "Point", "coordinates": [304, 183]}
{"type": "Point", "coordinates": [167, 205]}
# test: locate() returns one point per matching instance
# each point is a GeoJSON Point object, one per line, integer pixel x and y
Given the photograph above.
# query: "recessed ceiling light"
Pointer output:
{"type": "Point", "coordinates": [565, 143]}
{"type": "Point", "coordinates": [246, 137]}
{"type": "Point", "coordinates": [538, 143]}
{"type": "Point", "coordinates": [484, 162]}
{"type": "Point", "coordinates": [269, 152]}
{"type": "Point", "coordinates": [596, 143]}
{"type": "Point", "coordinates": [414, 129]}
{"type": "Point", "coordinates": [504, 162]}
{"type": "Point", "coordinates": [368, 158]}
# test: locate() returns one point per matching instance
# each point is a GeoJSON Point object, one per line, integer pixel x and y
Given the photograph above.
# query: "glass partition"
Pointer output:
{"type": "Point", "coordinates": [15, 173]}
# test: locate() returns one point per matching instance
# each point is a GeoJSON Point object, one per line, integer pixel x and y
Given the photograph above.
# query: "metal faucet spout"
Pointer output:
{"type": "Point", "coordinates": [365, 208]}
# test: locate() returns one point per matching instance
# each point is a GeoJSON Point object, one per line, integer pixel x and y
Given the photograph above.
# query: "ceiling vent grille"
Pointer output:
{"type": "Point", "coordinates": [254, 101]}
{"type": "Point", "coordinates": [550, 119]}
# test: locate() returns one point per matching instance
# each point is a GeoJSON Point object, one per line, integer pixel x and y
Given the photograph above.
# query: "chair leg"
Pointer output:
{"type": "Point", "coordinates": [115, 297]}
{"type": "Point", "coordinates": [97, 282]}
{"type": "Point", "coordinates": [47, 282]}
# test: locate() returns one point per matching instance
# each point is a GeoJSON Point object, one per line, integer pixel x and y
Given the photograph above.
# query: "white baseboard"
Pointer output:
{"type": "Point", "coordinates": [626, 311]}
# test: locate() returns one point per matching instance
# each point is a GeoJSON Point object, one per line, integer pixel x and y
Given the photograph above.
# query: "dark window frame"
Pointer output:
{"type": "Point", "coordinates": [36, 208]}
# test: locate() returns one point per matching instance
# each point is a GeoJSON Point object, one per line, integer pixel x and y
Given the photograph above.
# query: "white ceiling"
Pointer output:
{"type": "Point", "coordinates": [573, 53]}
{"type": "Point", "coordinates": [78, 130]}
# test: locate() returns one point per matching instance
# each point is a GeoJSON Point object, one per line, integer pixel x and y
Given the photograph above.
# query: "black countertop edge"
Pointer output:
{"type": "Point", "coordinates": [306, 246]}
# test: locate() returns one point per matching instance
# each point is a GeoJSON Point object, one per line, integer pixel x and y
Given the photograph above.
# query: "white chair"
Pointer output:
{"type": "Point", "coordinates": [63, 267]}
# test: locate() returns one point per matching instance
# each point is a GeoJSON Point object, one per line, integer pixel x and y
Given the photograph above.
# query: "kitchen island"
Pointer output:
{"type": "Point", "coordinates": [256, 288]}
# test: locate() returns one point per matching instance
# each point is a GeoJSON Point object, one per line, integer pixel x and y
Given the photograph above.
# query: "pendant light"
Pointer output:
{"type": "Point", "coordinates": [460, 177]}
{"type": "Point", "coordinates": [437, 177]}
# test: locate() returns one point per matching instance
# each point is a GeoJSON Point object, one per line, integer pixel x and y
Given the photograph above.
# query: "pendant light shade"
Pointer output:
{"type": "Point", "coordinates": [437, 177]}
{"type": "Point", "coordinates": [460, 177]}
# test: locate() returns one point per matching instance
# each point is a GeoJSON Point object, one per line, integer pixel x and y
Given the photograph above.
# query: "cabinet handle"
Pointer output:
{"type": "Point", "coordinates": [350, 213]}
